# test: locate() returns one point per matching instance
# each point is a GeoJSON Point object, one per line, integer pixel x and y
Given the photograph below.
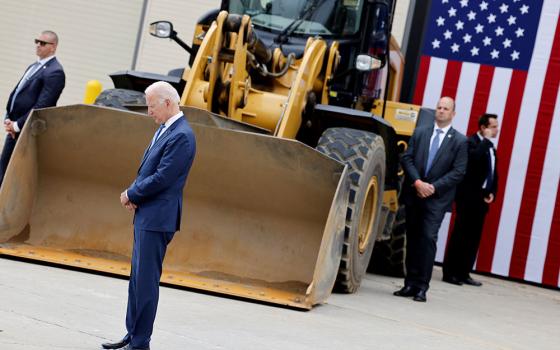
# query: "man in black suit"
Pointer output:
{"type": "Point", "coordinates": [40, 86]}
{"type": "Point", "coordinates": [434, 163]}
{"type": "Point", "coordinates": [474, 194]}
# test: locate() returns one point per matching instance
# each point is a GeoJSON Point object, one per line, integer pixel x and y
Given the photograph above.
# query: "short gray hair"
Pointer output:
{"type": "Point", "coordinates": [164, 91]}
{"type": "Point", "coordinates": [52, 35]}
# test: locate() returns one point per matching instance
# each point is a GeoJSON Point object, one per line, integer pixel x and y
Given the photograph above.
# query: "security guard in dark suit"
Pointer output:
{"type": "Point", "coordinates": [40, 86]}
{"type": "Point", "coordinates": [474, 194]}
{"type": "Point", "coordinates": [434, 163]}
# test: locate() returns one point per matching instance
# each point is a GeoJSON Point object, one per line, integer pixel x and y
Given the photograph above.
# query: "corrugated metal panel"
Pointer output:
{"type": "Point", "coordinates": [399, 20]}
{"type": "Point", "coordinates": [95, 39]}
{"type": "Point", "coordinates": [160, 55]}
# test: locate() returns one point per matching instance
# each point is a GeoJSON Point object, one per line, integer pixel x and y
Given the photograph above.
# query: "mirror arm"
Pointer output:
{"type": "Point", "coordinates": [181, 43]}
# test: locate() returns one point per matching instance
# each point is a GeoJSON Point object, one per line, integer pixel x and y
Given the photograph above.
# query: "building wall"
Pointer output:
{"type": "Point", "coordinates": [94, 40]}
{"type": "Point", "coordinates": [161, 55]}
{"type": "Point", "coordinates": [399, 20]}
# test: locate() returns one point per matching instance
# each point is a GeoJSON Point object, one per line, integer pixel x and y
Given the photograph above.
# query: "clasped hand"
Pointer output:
{"type": "Point", "coordinates": [9, 127]}
{"type": "Point", "coordinates": [125, 202]}
{"type": "Point", "coordinates": [424, 189]}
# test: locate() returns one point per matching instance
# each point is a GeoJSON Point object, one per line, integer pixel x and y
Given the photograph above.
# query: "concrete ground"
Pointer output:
{"type": "Point", "coordinates": [44, 307]}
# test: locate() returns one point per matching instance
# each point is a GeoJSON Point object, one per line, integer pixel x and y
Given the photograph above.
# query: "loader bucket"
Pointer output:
{"type": "Point", "coordinates": [263, 217]}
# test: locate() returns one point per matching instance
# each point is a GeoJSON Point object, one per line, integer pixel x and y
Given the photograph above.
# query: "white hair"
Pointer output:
{"type": "Point", "coordinates": [164, 91]}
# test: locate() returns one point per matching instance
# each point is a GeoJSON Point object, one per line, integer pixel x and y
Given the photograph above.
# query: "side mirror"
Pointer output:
{"type": "Point", "coordinates": [161, 29]}
{"type": "Point", "coordinates": [367, 63]}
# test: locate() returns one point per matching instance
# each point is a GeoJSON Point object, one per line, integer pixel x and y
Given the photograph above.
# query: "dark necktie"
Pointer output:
{"type": "Point", "coordinates": [433, 150]}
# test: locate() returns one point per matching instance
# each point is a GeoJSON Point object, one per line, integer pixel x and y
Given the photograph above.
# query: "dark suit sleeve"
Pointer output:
{"type": "Point", "coordinates": [478, 151]}
{"type": "Point", "coordinates": [53, 84]}
{"type": "Point", "coordinates": [407, 159]}
{"type": "Point", "coordinates": [452, 178]}
{"type": "Point", "coordinates": [478, 160]}
{"type": "Point", "coordinates": [173, 163]}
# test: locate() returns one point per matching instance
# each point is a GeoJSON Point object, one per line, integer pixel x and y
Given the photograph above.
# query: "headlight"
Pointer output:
{"type": "Point", "coordinates": [366, 63]}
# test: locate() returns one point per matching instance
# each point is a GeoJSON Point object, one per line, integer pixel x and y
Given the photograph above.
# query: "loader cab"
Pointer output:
{"type": "Point", "coordinates": [360, 26]}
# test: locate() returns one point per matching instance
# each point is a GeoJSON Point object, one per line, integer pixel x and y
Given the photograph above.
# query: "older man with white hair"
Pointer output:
{"type": "Point", "coordinates": [156, 198]}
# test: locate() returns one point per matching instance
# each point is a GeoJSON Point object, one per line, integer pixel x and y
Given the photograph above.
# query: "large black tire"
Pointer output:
{"type": "Point", "coordinates": [118, 98]}
{"type": "Point", "coordinates": [364, 152]}
{"type": "Point", "coordinates": [389, 255]}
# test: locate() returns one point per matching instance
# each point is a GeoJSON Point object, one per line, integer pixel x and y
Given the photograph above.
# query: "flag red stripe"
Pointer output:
{"type": "Point", "coordinates": [507, 135]}
{"type": "Point", "coordinates": [552, 260]}
{"type": "Point", "coordinates": [450, 85]}
{"type": "Point", "coordinates": [481, 96]}
{"type": "Point", "coordinates": [536, 163]}
{"type": "Point", "coordinates": [451, 80]}
{"type": "Point", "coordinates": [421, 80]}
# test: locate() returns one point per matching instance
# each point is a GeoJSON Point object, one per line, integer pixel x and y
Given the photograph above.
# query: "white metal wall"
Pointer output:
{"type": "Point", "coordinates": [95, 38]}
{"type": "Point", "coordinates": [160, 55]}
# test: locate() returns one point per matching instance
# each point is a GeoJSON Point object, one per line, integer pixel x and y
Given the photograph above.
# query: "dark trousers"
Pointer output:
{"type": "Point", "coordinates": [423, 219]}
{"type": "Point", "coordinates": [143, 287]}
{"type": "Point", "coordinates": [7, 151]}
{"type": "Point", "coordinates": [465, 238]}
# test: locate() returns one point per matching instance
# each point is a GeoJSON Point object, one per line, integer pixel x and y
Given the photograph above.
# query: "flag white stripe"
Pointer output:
{"type": "Point", "coordinates": [464, 100]}
{"type": "Point", "coordinates": [498, 95]}
{"type": "Point", "coordinates": [442, 237]}
{"type": "Point", "coordinates": [465, 95]}
{"type": "Point", "coordinates": [545, 203]}
{"type": "Point", "coordinates": [434, 83]}
{"type": "Point", "coordinates": [523, 141]}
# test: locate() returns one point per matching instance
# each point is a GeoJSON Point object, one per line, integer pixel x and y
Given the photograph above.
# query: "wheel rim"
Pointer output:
{"type": "Point", "coordinates": [367, 218]}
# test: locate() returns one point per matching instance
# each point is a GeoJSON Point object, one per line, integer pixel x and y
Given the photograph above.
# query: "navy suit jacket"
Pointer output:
{"type": "Point", "coordinates": [42, 89]}
{"type": "Point", "coordinates": [158, 188]}
{"type": "Point", "coordinates": [447, 170]}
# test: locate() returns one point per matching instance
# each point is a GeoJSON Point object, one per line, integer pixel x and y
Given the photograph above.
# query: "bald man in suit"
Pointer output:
{"type": "Point", "coordinates": [434, 163]}
{"type": "Point", "coordinates": [39, 87]}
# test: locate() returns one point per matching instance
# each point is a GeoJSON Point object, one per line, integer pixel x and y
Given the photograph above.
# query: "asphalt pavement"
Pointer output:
{"type": "Point", "coordinates": [44, 307]}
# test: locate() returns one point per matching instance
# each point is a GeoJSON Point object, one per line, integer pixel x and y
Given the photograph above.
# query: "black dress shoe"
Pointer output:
{"type": "Point", "coordinates": [420, 296]}
{"type": "Point", "coordinates": [118, 345]}
{"type": "Point", "coordinates": [406, 291]}
{"type": "Point", "coordinates": [472, 282]}
{"type": "Point", "coordinates": [453, 280]}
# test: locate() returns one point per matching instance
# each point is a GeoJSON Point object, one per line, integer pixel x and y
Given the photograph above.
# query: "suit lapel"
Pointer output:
{"type": "Point", "coordinates": [446, 140]}
{"type": "Point", "coordinates": [425, 149]}
{"type": "Point", "coordinates": [36, 73]}
{"type": "Point", "coordinates": [166, 134]}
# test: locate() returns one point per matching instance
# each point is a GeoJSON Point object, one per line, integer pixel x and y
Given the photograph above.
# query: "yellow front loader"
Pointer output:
{"type": "Point", "coordinates": [290, 188]}
{"type": "Point", "coordinates": [267, 226]}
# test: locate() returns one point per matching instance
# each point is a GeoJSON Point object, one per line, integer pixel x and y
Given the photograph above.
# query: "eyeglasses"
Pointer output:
{"type": "Point", "coordinates": [42, 43]}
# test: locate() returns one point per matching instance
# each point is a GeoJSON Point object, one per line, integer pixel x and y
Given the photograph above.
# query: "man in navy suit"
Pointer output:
{"type": "Point", "coordinates": [40, 86]}
{"type": "Point", "coordinates": [156, 196]}
{"type": "Point", "coordinates": [434, 163]}
{"type": "Point", "coordinates": [474, 194]}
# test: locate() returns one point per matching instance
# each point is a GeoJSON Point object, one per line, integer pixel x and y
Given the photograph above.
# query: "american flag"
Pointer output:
{"type": "Point", "coordinates": [503, 57]}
